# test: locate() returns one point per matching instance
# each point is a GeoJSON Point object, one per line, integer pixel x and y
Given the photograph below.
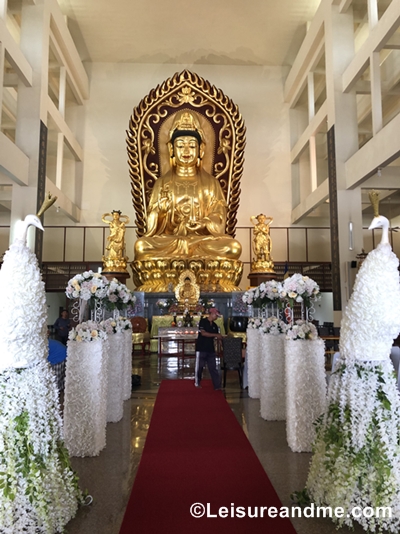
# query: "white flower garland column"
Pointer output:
{"type": "Point", "coordinates": [38, 489]}
{"type": "Point", "coordinates": [356, 459]}
{"type": "Point", "coordinates": [272, 378]}
{"type": "Point", "coordinates": [305, 391]}
{"type": "Point", "coordinates": [45, 498]}
{"type": "Point", "coordinates": [127, 365]}
{"type": "Point", "coordinates": [253, 361]}
{"type": "Point", "coordinates": [85, 402]}
{"type": "Point", "coordinates": [116, 353]}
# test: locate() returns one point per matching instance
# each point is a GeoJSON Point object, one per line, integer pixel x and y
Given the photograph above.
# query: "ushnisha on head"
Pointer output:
{"type": "Point", "coordinates": [379, 221]}
{"type": "Point", "coordinates": [186, 140]}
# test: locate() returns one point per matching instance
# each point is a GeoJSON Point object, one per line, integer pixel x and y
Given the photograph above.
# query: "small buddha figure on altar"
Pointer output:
{"type": "Point", "coordinates": [186, 215]}
{"type": "Point", "coordinates": [187, 292]}
{"type": "Point", "coordinates": [115, 260]}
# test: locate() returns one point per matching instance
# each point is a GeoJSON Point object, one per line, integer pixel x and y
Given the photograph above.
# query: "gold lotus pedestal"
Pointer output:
{"type": "Point", "coordinates": [261, 271]}
{"type": "Point", "coordinates": [163, 274]}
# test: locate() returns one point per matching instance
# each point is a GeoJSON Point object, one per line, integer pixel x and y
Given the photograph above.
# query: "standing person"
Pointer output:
{"type": "Point", "coordinates": [205, 351]}
{"type": "Point", "coordinates": [62, 326]}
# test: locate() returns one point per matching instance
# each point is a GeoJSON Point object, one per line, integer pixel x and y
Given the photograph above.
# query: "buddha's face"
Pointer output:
{"type": "Point", "coordinates": [186, 150]}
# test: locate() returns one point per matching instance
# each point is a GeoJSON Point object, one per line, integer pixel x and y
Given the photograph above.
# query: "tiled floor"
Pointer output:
{"type": "Point", "coordinates": [109, 477]}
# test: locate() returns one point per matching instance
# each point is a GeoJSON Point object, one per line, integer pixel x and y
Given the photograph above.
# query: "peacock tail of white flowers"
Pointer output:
{"type": "Point", "coordinates": [38, 490]}
{"type": "Point", "coordinates": [356, 460]}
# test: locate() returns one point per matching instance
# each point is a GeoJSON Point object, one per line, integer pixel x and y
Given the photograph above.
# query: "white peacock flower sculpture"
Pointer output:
{"type": "Point", "coordinates": [356, 460]}
{"type": "Point", "coordinates": [38, 490]}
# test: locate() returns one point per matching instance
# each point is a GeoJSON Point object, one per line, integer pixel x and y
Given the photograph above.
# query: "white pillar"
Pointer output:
{"type": "Point", "coordinates": [3, 9]}
{"type": "Point", "coordinates": [372, 14]}
{"type": "Point", "coordinates": [342, 114]}
{"type": "Point", "coordinates": [1, 74]}
{"type": "Point", "coordinates": [62, 91]}
{"type": "Point", "coordinates": [60, 159]}
{"type": "Point", "coordinates": [376, 93]}
{"type": "Point", "coordinates": [32, 106]}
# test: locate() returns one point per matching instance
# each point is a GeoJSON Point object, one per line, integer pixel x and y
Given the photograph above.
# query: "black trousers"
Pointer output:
{"type": "Point", "coordinates": [209, 359]}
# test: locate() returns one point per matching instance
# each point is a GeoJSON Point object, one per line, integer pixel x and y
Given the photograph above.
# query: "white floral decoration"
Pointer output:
{"type": "Point", "coordinates": [38, 489]}
{"type": "Point", "coordinates": [254, 323]}
{"type": "Point", "coordinates": [305, 391]}
{"type": "Point", "coordinates": [121, 325]}
{"type": "Point", "coordinates": [266, 293]}
{"type": "Point", "coordinates": [273, 326]}
{"type": "Point", "coordinates": [115, 407]}
{"type": "Point", "coordinates": [372, 318]}
{"type": "Point", "coordinates": [300, 288]}
{"type": "Point", "coordinates": [253, 352]}
{"type": "Point", "coordinates": [356, 455]}
{"type": "Point", "coordinates": [356, 459]}
{"type": "Point", "coordinates": [85, 397]}
{"type": "Point", "coordinates": [87, 331]}
{"type": "Point", "coordinates": [272, 375]}
{"type": "Point", "coordinates": [301, 329]}
{"type": "Point", "coordinates": [22, 342]}
{"type": "Point", "coordinates": [117, 325]}
{"type": "Point", "coordinates": [118, 296]}
{"type": "Point", "coordinates": [127, 365]}
{"type": "Point", "coordinates": [87, 285]}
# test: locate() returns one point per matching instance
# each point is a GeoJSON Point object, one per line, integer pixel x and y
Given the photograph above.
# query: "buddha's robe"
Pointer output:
{"type": "Point", "coordinates": [186, 217]}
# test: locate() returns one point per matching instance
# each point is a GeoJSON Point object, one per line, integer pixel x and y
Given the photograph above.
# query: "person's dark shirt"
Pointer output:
{"type": "Point", "coordinates": [203, 343]}
{"type": "Point", "coordinates": [57, 352]}
{"type": "Point", "coordinates": [61, 326]}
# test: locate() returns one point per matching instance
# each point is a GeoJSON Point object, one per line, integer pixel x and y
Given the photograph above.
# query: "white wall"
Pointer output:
{"type": "Point", "coordinates": [54, 301]}
{"type": "Point", "coordinates": [324, 309]}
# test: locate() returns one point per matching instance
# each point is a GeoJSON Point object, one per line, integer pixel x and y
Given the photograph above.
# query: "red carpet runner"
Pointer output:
{"type": "Point", "coordinates": [196, 452]}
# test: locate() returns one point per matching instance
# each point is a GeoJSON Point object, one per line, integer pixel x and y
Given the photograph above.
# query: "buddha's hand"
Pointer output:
{"type": "Point", "coordinates": [164, 200]}
{"type": "Point", "coordinates": [192, 225]}
{"type": "Point", "coordinates": [199, 224]}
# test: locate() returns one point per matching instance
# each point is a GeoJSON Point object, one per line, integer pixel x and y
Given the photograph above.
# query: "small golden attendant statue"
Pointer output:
{"type": "Point", "coordinates": [262, 244]}
{"type": "Point", "coordinates": [115, 261]}
{"type": "Point", "coordinates": [186, 215]}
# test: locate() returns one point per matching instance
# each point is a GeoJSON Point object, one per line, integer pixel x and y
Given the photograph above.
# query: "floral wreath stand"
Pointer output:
{"type": "Point", "coordinates": [305, 390]}
{"type": "Point", "coordinates": [127, 365]}
{"type": "Point", "coordinates": [85, 402]}
{"type": "Point", "coordinates": [272, 378]}
{"type": "Point", "coordinates": [253, 361]}
{"type": "Point", "coordinates": [115, 372]}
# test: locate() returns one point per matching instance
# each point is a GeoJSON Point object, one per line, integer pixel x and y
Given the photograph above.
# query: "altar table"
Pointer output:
{"type": "Point", "coordinates": [159, 321]}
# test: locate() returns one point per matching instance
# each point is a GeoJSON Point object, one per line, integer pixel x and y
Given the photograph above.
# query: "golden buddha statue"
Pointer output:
{"type": "Point", "coordinates": [115, 260]}
{"type": "Point", "coordinates": [186, 214]}
{"type": "Point", "coordinates": [185, 145]}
